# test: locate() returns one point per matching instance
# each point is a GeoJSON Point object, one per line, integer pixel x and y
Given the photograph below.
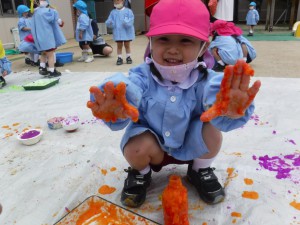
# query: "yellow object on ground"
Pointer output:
{"type": "Point", "coordinates": [297, 33]}
{"type": "Point", "coordinates": [2, 51]}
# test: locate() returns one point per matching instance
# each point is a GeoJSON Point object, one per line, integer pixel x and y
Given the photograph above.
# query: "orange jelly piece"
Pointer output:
{"type": "Point", "coordinates": [175, 202]}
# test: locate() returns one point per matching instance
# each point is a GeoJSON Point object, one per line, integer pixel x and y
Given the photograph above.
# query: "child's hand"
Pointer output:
{"type": "Point", "coordinates": [4, 73]}
{"type": "Point", "coordinates": [111, 104]}
{"type": "Point", "coordinates": [80, 35]}
{"type": "Point", "coordinates": [234, 96]}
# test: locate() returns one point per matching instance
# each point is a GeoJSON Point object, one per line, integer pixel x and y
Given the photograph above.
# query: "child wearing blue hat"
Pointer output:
{"type": "Point", "coordinates": [252, 18]}
{"type": "Point", "coordinates": [121, 20]}
{"type": "Point", "coordinates": [84, 32]}
{"type": "Point", "coordinates": [24, 27]}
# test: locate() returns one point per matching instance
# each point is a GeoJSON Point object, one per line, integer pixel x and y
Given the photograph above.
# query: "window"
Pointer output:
{"type": "Point", "coordinates": [9, 7]}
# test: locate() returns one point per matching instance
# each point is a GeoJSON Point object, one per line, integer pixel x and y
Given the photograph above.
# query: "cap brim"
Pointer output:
{"type": "Point", "coordinates": [176, 29]}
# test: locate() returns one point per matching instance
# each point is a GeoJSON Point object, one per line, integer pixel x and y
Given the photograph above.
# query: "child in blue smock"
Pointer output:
{"type": "Point", "coordinates": [5, 66]}
{"type": "Point", "coordinates": [160, 103]}
{"type": "Point", "coordinates": [84, 32]}
{"type": "Point", "coordinates": [228, 45]}
{"type": "Point", "coordinates": [121, 20]}
{"type": "Point", "coordinates": [24, 27]}
{"type": "Point", "coordinates": [47, 36]}
{"type": "Point", "coordinates": [252, 18]}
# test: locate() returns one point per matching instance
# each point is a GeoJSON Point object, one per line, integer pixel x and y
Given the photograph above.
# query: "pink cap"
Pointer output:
{"type": "Point", "coordinates": [225, 28]}
{"type": "Point", "coordinates": [186, 17]}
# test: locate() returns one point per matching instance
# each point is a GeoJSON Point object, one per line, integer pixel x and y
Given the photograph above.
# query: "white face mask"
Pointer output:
{"type": "Point", "coordinates": [178, 73]}
{"type": "Point", "coordinates": [118, 6]}
{"type": "Point", "coordinates": [43, 4]}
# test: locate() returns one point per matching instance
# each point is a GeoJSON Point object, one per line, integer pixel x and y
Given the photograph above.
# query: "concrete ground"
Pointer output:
{"type": "Point", "coordinates": [274, 58]}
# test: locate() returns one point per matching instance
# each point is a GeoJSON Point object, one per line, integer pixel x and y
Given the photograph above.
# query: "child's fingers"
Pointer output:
{"type": "Point", "coordinates": [227, 79]}
{"type": "Point", "coordinates": [132, 113]}
{"type": "Point", "coordinates": [109, 90]}
{"type": "Point", "coordinates": [98, 94]}
{"type": "Point", "coordinates": [253, 91]}
{"type": "Point", "coordinates": [237, 74]}
{"type": "Point", "coordinates": [245, 81]}
{"type": "Point", "coordinates": [120, 92]}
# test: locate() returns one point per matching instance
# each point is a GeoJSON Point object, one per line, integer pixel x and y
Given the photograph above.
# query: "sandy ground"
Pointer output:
{"type": "Point", "coordinates": [274, 58]}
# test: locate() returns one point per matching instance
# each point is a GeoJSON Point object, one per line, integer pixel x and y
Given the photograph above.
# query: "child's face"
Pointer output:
{"type": "Point", "coordinates": [25, 14]}
{"type": "Point", "coordinates": [118, 1]}
{"type": "Point", "coordinates": [251, 7]}
{"type": "Point", "coordinates": [172, 50]}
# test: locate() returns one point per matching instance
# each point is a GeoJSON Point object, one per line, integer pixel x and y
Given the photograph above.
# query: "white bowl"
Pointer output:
{"type": "Point", "coordinates": [70, 123]}
{"type": "Point", "coordinates": [30, 137]}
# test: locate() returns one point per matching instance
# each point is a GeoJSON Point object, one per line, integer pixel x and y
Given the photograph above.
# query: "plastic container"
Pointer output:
{"type": "Point", "coordinates": [55, 123]}
{"type": "Point", "coordinates": [30, 137]}
{"type": "Point", "coordinates": [41, 84]}
{"type": "Point", "coordinates": [64, 57]}
{"type": "Point", "coordinates": [175, 202]}
{"type": "Point", "coordinates": [70, 123]}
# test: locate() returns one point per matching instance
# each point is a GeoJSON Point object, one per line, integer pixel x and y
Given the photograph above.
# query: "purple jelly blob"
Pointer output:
{"type": "Point", "coordinates": [30, 134]}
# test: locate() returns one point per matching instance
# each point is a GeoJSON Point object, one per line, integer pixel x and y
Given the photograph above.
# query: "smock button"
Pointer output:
{"type": "Point", "coordinates": [167, 133]}
{"type": "Point", "coordinates": [173, 98]}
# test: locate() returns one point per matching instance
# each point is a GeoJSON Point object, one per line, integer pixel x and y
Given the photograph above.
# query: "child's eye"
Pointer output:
{"type": "Point", "coordinates": [163, 39]}
{"type": "Point", "coordinates": [186, 41]}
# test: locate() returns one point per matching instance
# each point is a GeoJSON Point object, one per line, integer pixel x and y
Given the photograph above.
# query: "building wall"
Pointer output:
{"type": "Point", "coordinates": [64, 9]}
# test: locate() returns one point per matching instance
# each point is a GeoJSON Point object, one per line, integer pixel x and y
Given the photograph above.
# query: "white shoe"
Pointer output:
{"type": "Point", "coordinates": [83, 57]}
{"type": "Point", "coordinates": [89, 59]}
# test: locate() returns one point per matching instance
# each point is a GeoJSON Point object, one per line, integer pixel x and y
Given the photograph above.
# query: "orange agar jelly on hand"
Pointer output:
{"type": "Point", "coordinates": [175, 202]}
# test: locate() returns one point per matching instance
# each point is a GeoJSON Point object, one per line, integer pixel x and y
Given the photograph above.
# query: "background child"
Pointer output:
{"type": "Point", "coordinates": [171, 91]}
{"type": "Point", "coordinates": [47, 36]}
{"type": "Point", "coordinates": [5, 66]}
{"type": "Point", "coordinates": [98, 45]}
{"type": "Point", "coordinates": [121, 20]}
{"type": "Point", "coordinates": [84, 32]}
{"type": "Point", "coordinates": [252, 18]}
{"type": "Point", "coordinates": [24, 26]}
{"type": "Point", "coordinates": [228, 45]}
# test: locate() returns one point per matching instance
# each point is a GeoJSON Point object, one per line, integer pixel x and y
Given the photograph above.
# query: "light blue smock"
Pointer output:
{"type": "Point", "coordinates": [28, 47]}
{"type": "Point", "coordinates": [5, 65]}
{"type": "Point", "coordinates": [122, 23]}
{"type": "Point", "coordinates": [252, 17]}
{"type": "Point", "coordinates": [84, 24]}
{"type": "Point", "coordinates": [24, 22]}
{"type": "Point", "coordinates": [45, 29]}
{"type": "Point", "coordinates": [251, 50]}
{"type": "Point", "coordinates": [228, 49]}
{"type": "Point", "coordinates": [172, 114]}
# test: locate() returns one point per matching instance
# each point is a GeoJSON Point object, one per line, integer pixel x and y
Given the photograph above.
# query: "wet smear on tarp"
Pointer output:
{"type": "Point", "coordinates": [283, 165]}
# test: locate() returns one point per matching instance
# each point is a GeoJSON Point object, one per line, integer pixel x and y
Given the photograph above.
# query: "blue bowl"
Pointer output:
{"type": "Point", "coordinates": [64, 57]}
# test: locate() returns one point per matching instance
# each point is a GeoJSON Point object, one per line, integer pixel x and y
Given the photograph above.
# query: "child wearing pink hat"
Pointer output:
{"type": "Point", "coordinates": [170, 91]}
{"type": "Point", "coordinates": [228, 45]}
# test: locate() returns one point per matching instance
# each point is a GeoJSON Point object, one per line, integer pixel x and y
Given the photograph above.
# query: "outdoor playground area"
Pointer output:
{"type": "Point", "coordinates": [259, 164]}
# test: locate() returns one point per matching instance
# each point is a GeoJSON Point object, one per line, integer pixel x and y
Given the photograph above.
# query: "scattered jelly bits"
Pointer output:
{"type": "Point", "coordinates": [250, 194]}
{"type": "Point", "coordinates": [105, 190]}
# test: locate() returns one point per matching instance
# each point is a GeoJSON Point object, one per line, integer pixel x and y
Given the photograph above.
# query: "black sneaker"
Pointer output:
{"type": "Point", "coordinates": [135, 188]}
{"type": "Point", "coordinates": [43, 71]}
{"type": "Point", "coordinates": [2, 82]}
{"type": "Point", "coordinates": [55, 73]}
{"type": "Point", "coordinates": [58, 64]}
{"type": "Point", "coordinates": [32, 63]}
{"type": "Point", "coordinates": [119, 61]}
{"type": "Point", "coordinates": [250, 34]}
{"type": "Point", "coordinates": [218, 68]}
{"type": "Point", "coordinates": [128, 60]}
{"type": "Point", "coordinates": [207, 184]}
{"type": "Point", "coordinates": [28, 61]}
